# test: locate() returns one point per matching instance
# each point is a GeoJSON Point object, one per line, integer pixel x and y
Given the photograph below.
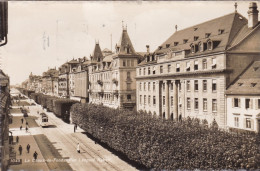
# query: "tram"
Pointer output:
{"type": "Point", "coordinates": [44, 120]}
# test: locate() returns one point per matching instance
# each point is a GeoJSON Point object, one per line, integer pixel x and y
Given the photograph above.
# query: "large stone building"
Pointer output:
{"type": "Point", "coordinates": [243, 100]}
{"type": "Point", "coordinates": [64, 80]}
{"type": "Point", "coordinates": [189, 73]}
{"type": "Point", "coordinates": [49, 81]}
{"type": "Point", "coordinates": [112, 77]}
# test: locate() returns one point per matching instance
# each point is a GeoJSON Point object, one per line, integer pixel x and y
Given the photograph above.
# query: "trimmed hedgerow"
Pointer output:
{"type": "Point", "coordinates": [62, 108]}
{"type": "Point", "coordinates": [164, 144]}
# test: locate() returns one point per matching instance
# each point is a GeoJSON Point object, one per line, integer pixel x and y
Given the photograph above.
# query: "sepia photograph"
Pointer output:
{"type": "Point", "coordinates": [129, 85]}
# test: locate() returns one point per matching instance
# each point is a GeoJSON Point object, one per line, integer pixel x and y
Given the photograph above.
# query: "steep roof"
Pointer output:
{"type": "Point", "coordinates": [124, 44]}
{"type": "Point", "coordinates": [230, 25]}
{"type": "Point", "coordinates": [97, 53]}
{"type": "Point", "coordinates": [248, 83]}
{"type": "Point", "coordinates": [109, 58]}
{"type": "Point", "coordinates": [73, 61]}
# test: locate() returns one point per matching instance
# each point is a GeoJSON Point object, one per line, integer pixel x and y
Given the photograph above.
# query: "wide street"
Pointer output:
{"type": "Point", "coordinates": [58, 146]}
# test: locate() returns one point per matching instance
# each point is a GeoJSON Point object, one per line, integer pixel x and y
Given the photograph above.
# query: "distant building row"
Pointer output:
{"type": "Point", "coordinates": [209, 71]}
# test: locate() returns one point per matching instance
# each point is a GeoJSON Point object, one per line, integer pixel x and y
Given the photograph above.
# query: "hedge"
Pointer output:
{"type": "Point", "coordinates": [163, 144]}
{"type": "Point", "coordinates": [50, 103]}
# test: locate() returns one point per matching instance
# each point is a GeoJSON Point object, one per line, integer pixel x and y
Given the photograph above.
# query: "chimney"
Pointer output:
{"type": "Point", "coordinates": [148, 48]}
{"type": "Point", "coordinates": [252, 15]}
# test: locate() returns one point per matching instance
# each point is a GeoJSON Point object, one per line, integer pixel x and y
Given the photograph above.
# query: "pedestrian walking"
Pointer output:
{"type": "Point", "coordinates": [20, 149]}
{"type": "Point", "coordinates": [26, 123]}
{"type": "Point", "coordinates": [75, 127]}
{"type": "Point", "coordinates": [28, 148]}
{"type": "Point", "coordinates": [17, 139]}
{"type": "Point", "coordinates": [22, 120]}
{"type": "Point", "coordinates": [78, 149]}
{"type": "Point", "coordinates": [26, 129]}
{"type": "Point", "coordinates": [21, 127]}
{"type": "Point", "coordinates": [35, 154]}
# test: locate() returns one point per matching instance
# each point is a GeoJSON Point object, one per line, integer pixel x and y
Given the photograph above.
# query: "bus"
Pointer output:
{"type": "Point", "coordinates": [44, 120]}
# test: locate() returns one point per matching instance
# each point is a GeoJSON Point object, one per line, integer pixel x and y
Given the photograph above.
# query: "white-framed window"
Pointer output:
{"type": "Point", "coordinates": [144, 99]}
{"type": "Point", "coordinates": [236, 121]}
{"type": "Point", "coordinates": [144, 86]}
{"type": "Point", "coordinates": [196, 103]}
{"type": "Point", "coordinates": [258, 103]}
{"type": "Point", "coordinates": [153, 86]}
{"type": "Point", "coordinates": [144, 71]}
{"type": "Point", "coordinates": [248, 123]}
{"type": "Point", "coordinates": [204, 64]}
{"type": "Point", "coordinates": [154, 70]}
{"type": "Point", "coordinates": [196, 65]}
{"type": "Point", "coordinates": [149, 99]}
{"type": "Point", "coordinates": [169, 68]}
{"type": "Point", "coordinates": [171, 100]}
{"type": "Point", "coordinates": [214, 105]}
{"type": "Point", "coordinates": [149, 86]}
{"type": "Point", "coordinates": [210, 45]}
{"type": "Point", "coordinates": [188, 85]}
{"type": "Point", "coordinates": [188, 103]}
{"type": "Point", "coordinates": [140, 99]}
{"type": "Point", "coordinates": [140, 71]}
{"type": "Point", "coordinates": [140, 86]}
{"type": "Point", "coordinates": [196, 85]}
{"type": "Point", "coordinates": [204, 85]}
{"type": "Point", "coordinates": [154, 100]}
{"type": "Point", "coordinates": [214, 63]}
{"type": "Point", "coordinates": [248, 103]}
{"type": "Point", "coordinates": [188, 66]}
{"type": "Point", "coordinates": [149, 71]}
{"type": "Point", "coordinates": [124, 63]}
{"type": "Point", "coordinates": [177, 67]}
{"type": "Point", "coordinates": [205, 104]}
{"type": "Point", "coordinates": [161, 69]}
{"type": "Point", "coordinates": [236, 102]}
{"type": "Point", "coordinates": [163, 100]}
{"type": "Point", "coordinates": [214, 85]}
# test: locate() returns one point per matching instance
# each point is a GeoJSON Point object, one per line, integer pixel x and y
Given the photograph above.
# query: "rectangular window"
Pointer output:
{"type": "Point", "coordinates": [128, 86]}
{"type": "Point", "coordinates": [154, 100]}
{"type": "Point", "coordinates": [144, 86]}
{"type": "Point", "coordinates": [177, 67]}
{"type": "Point", "coordinates": [149, 84]}
{"type": "Point", "coordinates": [214, 105]}
{"type": "Point", "coordinates": [140, 71]}
{"type": "Point", "coordinates": [144, 71]}
{"type": "Point", "coordinates": [154, 70]}
{"type": "Point", "coordinates": [171, 101]}
{"type": "Point", "coordinates": [204, 85]}
{"type": "Point", "coordinates": [236, 102]}
{"type": "Point", "coordinates": [163, 86]}
{"type": "Point", "coordinates": [161, 69]}
{"type": "Point", "coordinates": [204, 64]}
{"type": "Point", "coordinates": [214, 63]}
{"type": "Point", "coordinates": [149, 97]}
{"type": "Point", "coordinates": [140, 86]}
{"type": "Point", "coordinates": [169, 68]}
{"type": "Point", "coordinates": [124, 64]}
{"type": "Point", "coordinates": [196, 85]}
{"type": "Point", "coordinates": [171, 86]}
{"type": "Point", "coordinates": [196, 65]}
{"type": "Point", "coordinates": [247, 103]}
{"type": "Point", "coordinates": [196, 103]}
{"type": "Point", "coordinates": [187, 66]}
{"type": "Point", "coordinates": [248, 123]}
{"type": "Point", "coordinates": [258, 101]}
{"type": "Point", "coordinates": [149, 71]}
{"type": "Point", "coordinates": [236, 121]}
{"type": "Point", "coordinates": [140, 99]}
{"type": "Point", "coordinates": [163, 100]}
{"type": "Point", "coordinates": [205, 104]}
{"type": "Point", "coordinates": [188, 103]}
{"type": "Point", "coordinates": [145, 99]}
{"type": "Point", "coordinates": [214, 85]}
{"type": "Point", "coordinates": [188, 85]}
{"type": "Point", "coordinates": [153, 86]}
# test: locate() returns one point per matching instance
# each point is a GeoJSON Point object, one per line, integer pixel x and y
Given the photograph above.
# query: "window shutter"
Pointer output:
{"type": "Point", "coordinates": [238, 102]}
{"type": "Point", "coordinates": [251, 103]}
{"type": "Point", "coordinates": [252, 123]}
{"type": "Point", "coordinates": [233, 99]}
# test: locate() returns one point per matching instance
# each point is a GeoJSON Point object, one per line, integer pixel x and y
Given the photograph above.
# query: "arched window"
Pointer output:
{"type": "Point", "coordinates": [210, 45]}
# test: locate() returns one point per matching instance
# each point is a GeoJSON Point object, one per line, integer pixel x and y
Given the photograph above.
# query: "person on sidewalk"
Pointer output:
{"type": "Point", "coordinates": [26, 123]}
{"type": "Point", "coordinates": [78, 149]}
{"type": "Point", "coordinates": [20, 149]}
{"type": "Point", "coordinates": [26, 129]}
{"type": "Point", "coordinates": [21, 127]}
{"type": "Point", "coordinates": [22, 120]}
{"type": "Point", "coordinates": [35, 154]}
{"type": "Point", "coordinates": [75, 127]}
{"type": "Point", "coordinates": [17, 139]}
{"type": "Point", "coordinates": [28, 148]}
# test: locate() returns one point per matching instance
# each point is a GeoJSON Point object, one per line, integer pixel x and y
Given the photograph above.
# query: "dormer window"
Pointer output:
{"type": "Point", "coordinates": [207, 35]}
{"type": "Point", "coordinates": [214, 63]}
{"type": "Point", "coordinates": [185, 41]}
{"type": "Point", "coordinates": [210, 45]}
{"type": "Point", "coordinates": [195, 29]}
{"type": "Point", "coordinates": [200, 45]}
{"type": "Point", "coordinates": [160, 47]}
{"type": "Point", "coordinates": [196, 38]}
{"type": "Point", "coordinates": [240, 84]}
{"type": "Point", "coordinates": [177, 67]}
{"type": "Point", "coordinates": [220, 31]}
{"type": "Point", "coordinates": [256, 68]}
{"type": "Point", "coordinates": [176, 43]}
{"type": "Point", "coordinates": [194, 48]}
{"type": "Point", "coordinates": [167, 45]}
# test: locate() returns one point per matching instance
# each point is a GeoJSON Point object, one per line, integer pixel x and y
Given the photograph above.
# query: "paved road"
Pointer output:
{"type": "Point", "coordinates": [61, 135]}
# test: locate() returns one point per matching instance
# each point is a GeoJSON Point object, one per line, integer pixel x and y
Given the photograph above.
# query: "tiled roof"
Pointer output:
{"type": "Point", "coordinates": [73, 61]}
{"type": "Point", "coordinates": [248, 83]}
{"type": "Point", "coordinates": [125, 43]}
{"type": "Point", "coordinates": [97, 53]}
{"type": "Point", "coordinates": [231, 24]}
{"type": "Point", "coordinates": [109, 58]}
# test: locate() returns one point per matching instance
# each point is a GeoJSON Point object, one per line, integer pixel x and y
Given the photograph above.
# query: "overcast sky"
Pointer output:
{"type": "Point", "coordinates": [47, 34]}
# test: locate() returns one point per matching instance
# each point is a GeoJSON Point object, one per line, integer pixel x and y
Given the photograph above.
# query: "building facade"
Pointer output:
{"type": "Point", "coordinates": [63, 80]}
{"type": "Point", "coordinates": [243, 100]}
{"type": "Point", "coordinates": [112, 77]}
{"type": "Point", "coordinates": [188, 74]}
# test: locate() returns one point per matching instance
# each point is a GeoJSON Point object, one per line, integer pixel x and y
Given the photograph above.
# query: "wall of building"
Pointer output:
{"type": "Point", "coordinates": [243, 113]}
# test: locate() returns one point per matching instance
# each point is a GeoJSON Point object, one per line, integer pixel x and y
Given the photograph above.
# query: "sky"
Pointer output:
{"type": "Point", "coordinates": [47, 34]}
